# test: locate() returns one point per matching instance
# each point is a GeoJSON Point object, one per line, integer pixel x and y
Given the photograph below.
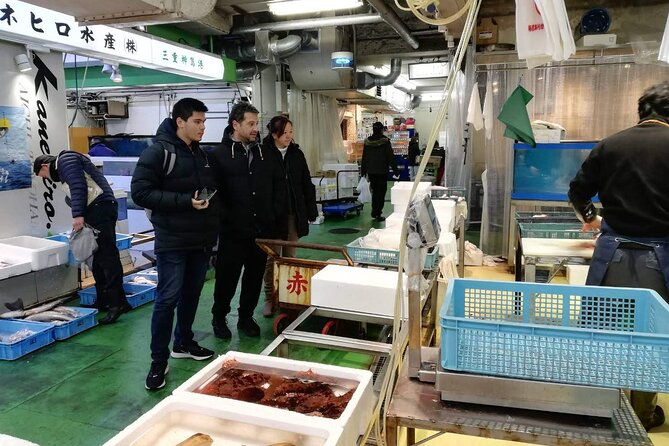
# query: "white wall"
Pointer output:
{"type": "Point", "coordinates": [24, 211]}
{"type": "Point", "coordinates": [147, 110]}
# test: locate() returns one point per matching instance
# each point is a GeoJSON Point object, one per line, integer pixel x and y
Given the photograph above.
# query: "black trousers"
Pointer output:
{"type": "Point", "coordinates": [638, 268]}
{"type": "Point", "coordinates": [233, 255]}
{"type": "Point", "coordinates": [378, 183]}
{"type": "Point", "coordinates": [107, 269]}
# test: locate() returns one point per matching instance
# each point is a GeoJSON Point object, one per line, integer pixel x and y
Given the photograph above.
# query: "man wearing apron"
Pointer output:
{"type": "Point", "coordinates": [630, 172]}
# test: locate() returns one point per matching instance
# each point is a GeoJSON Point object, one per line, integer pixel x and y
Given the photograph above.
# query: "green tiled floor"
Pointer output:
{"type": "Point", "coordinates": [83, 390]}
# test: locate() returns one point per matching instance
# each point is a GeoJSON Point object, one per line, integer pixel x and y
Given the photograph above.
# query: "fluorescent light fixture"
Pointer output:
{"type": "Point", "coordinates": [431, 70]}
{"type": "Point", "coordinates": [294, 7]}
{"type": "Point", "coordinates": [22, 62]}
{"type": "Point", "coordinates": [107, 68]}
{"type": "Point", "coordinates": [432, 96]}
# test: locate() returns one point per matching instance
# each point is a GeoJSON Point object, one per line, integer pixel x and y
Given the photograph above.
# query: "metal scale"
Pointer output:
{"type": "Point", "coordinates": [504, 408]}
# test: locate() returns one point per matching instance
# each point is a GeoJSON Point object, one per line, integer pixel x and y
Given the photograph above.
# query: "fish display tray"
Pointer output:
{"type": "Point", "coordinates": [135, 294]}
{"type": "Point", "coordinates": [386, 257]}
{"type": "Point", "coordinates": [123, 241]}
{"type": "Point", "coordinates": [150, 273]}
{"type": "Point", "coordinates": [353, 420]}
{"type": "Point", "coordinates": [178, 417]}
{"type": "Point", "coordinates": [599, 336]}
{"type": "Point", "coordinates": [43, 336]}
{"type": "Point", "coordinates": [555, 230]}
{"type": "Point", "coordinates": [84, 322]}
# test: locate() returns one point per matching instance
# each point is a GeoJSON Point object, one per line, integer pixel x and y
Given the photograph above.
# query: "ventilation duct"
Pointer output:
{"type": "Point", "coordinates": [367, 80]}
{"type": "Point", "coordinates": [415, 101]}
{"type": "Point", "coordinates": [392, 19]}
{"type": "Point", "coordinates": [268, 49]}
{"type": "Point", "coordinates": [248, 70]}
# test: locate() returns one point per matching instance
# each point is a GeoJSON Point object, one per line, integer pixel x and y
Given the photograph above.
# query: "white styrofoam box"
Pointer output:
{"type": "Point", "coordinates": [16, 267]}
{"type": "Point", "coordinates": [400, 208]}
{"type": "Point", "coordinates": [346, 179]}
{"type": "Point", "coordinates": [448, 245]}
{"type": "Point", "coordinates": [576, 274]}
{"type": "Point", "coordinates": [394, 219]}
{"type": "Point", "coordinates": [357, 289]}
{"type": "Point", "coordinates": [548, 136]}
{"type": "Point", "coordinates": [353, 420]}
{"type": "Point", "coordinates": [177, 417]}
{"type": "Point", "coordinates": [399, 193]}
{"type": "Point", "coordinates": [445, 210]}
{"type": "Point", "coordinates": [40, 252]}
{"type": "Point", "coordinates": [597, 40]}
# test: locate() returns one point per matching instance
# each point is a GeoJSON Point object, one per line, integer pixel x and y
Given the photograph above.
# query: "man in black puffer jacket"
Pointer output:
{"type": "Point", "coordinates": [167, 180]}
{"type": "Point", "coordinates": [92, 202]}
{"type": "Point", "coordinates": [253, 194]}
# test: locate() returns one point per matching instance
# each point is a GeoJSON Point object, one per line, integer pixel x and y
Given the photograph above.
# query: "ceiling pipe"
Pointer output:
{"type": "Point", "coordinates": [415, 101]}
{"type": "Point", "coordinates": [285, 47]}
{"type": "Point", "coordinates": [248, 70]}
{"type": "Point", "coordinates": [322, 22]}
{"type": "Point", "coordinates": [392, 19]}
{"type": "Point", "coordinates": [366, 80]}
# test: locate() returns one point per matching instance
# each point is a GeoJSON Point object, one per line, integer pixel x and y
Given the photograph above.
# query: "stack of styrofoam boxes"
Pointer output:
{"type": "Point", "coordinates": [326, 187]}
{"type": "Point", "coordinates": [362, 290]}
{"type": "Point", "coordinates": [178, 417]}
{"type": "Point", "coordinates": [353, 420]}
{"type": "Point", "coordinates": [399, 194]}
{"type": "Point", "coordinates": [348, 180]}
{"type": "Point", "coordinates": [39, 252]}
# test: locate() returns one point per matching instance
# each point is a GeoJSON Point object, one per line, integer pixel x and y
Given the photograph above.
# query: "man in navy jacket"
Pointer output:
{"type": "Point", "coordinates": [92, 202]}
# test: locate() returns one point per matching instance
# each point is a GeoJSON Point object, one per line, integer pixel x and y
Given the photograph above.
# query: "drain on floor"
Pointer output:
{"type": "Point", "coordinates": [344, 231]}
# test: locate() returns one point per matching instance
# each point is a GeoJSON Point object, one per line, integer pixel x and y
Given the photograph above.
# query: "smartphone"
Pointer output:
{"type": "Point", "coordinates": [205, 194]}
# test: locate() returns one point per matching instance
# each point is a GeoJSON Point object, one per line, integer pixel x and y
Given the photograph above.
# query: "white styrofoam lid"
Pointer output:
{"type": "Point", "coordinates": [357, 276]}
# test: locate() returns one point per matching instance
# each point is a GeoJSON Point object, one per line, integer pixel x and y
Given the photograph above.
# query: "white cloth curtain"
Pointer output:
{"type": "Point", "coordinates": [317, 130]}
{"type": "Point", "coordinates": [591, 101]}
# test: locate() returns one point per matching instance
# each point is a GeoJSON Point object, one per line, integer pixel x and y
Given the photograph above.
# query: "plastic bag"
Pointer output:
{"type": "Point", "coordinates": [363, 189]}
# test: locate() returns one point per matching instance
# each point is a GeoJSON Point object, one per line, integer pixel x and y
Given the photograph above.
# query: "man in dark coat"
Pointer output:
{"type": "Point", "coordinates": [377, 158]}
{"type": "Point", "coordinates": [168, 180]}
{"type": "Point", "coordinates": [252, 189]}
{"type": "Point", "coordinates": [92, 202]}
{"type": "Point", "coordinates": [629, 172]}
{"type": "Point", "coordinates": [413, 154]}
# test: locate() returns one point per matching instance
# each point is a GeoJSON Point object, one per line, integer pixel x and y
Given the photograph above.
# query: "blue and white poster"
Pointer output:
{"type": "Point", "coordinates": [15, 169]}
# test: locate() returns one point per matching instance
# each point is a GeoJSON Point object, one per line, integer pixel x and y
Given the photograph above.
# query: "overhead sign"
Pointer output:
{"type": "Point", "coordinates": [25, 23]}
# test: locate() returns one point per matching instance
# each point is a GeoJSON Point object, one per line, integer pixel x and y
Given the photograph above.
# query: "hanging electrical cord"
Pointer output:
{"type": "Point", "coordinates": [395, 356]}
{"type": "Point", "coordinates": [415, 7]}
{"type": "Point", "coordinates": [76, 88]}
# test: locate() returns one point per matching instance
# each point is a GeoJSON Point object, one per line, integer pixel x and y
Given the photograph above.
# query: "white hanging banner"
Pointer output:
{"type": "Point", "coordinates": [25, 23]}
{"type": "Point", "coordinates": [42, 93]}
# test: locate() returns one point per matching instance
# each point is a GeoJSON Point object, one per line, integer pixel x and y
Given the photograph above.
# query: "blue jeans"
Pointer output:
{"type": "Point", "coordinates": [180, 280]}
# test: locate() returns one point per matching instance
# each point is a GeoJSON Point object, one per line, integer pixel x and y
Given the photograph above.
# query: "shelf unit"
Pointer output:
{"type": "Point", "coordinates": [399, 140]}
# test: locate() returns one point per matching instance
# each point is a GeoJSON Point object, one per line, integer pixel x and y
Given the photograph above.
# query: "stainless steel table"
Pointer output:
{"type": "Point", "coordinates": [417, 405]}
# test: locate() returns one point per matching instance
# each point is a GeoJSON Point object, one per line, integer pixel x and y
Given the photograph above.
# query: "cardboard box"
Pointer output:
{"type": "Point", "coordinates": [486, 32]}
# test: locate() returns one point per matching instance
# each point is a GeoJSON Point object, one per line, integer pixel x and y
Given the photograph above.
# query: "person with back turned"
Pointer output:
{"type": "Point", "coordinates": [169, 179]}
{"type": "Point", "coordinates": [92, 201]}
{"type": "Point", "coordinates": [377, 158]}
{"type": "Point", "coordinates": [629, 172]}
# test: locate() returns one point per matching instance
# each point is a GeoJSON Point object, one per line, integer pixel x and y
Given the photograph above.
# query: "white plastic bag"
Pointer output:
{"type": "Point", "coordinates": [363, 189]}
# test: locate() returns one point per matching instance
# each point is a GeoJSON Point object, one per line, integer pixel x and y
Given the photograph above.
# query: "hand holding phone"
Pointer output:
{"type": "Point", "coordinates": [205, 194]}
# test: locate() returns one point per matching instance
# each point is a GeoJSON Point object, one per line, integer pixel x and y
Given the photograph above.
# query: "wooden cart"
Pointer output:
{"type": "Point", "coordinates": [292, 279]}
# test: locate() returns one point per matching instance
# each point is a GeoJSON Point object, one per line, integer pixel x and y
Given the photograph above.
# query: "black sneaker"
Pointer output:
{"type": "Point", "coordinates": [249, 326]}
{"type": "Point", "coordinates": [221, 329]}
{"type": "Point", "coordinates": [192, 351]}
{"type": "Point", "coordinates": [156, 378]}
{"type": "Point", "coordinates": [380, 218]}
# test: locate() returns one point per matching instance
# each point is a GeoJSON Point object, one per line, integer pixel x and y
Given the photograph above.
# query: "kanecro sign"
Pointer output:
{"type": "Point", "coordinates": [25, 23]}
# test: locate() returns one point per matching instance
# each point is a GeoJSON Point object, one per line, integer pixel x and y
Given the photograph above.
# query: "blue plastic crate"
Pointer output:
{"type": "Point", "coordinates": [43, 336]}
{"type": "Point", "coordinates": [151, 273]}
{"type": "Point", "coordinates": [600, 336]}
{"type": "Point", "coordinates": [84, 322]}
{"type": "Point", "coordinates": [386, 257]}
{"type": "Point", "coordinates": [65, 239]}
{"type": "Point", "coordinates": [123, 241]}
{"type": "Point", "coordinates": [135, 294]}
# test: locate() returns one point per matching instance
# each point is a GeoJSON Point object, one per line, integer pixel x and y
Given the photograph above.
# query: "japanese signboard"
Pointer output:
{"type": "Point", "coordinates": [25, 23]}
